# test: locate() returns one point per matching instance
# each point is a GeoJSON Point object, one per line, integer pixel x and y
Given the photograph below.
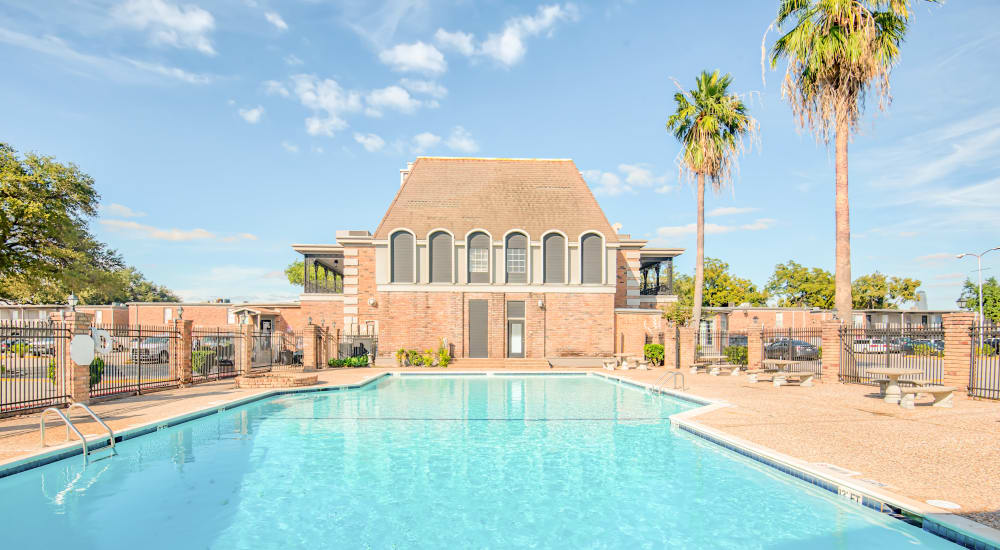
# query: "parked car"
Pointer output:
{"type": "Point", "coordinates": [12, 344]}
{"type": "Point", "coordinates": [876, 345]}
{"type": "Point", "coordinates": [738, 340]}
{"type": "Point", "coordinates": [43, 346]}
{"type": "Point", "coordinates": [795, 350]}
{"type": "Point", "coordinates": [149, 350]}
{"type": "Point", "coordinates": [992, 343]}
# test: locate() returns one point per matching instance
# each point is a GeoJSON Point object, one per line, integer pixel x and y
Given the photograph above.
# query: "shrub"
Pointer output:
{"type": "Point", "coordinates": [819, 349]}
{"type": "Point", "coordinates": [400, 356]}
{"type": "Point", "coordinates": [335, 363]}
{"type": "Point", "coordinates": [429, 356]}
{"type": "Point", "coordinates": [96, 371]}
{"type": "Point", "coordinates": [51, 371]}
{"type": "Point", "coordinates": [736, 355]}
{"type": "Point", "coordinates": [443, 355]}
{"type": "Point", "coordinates": [986, 351]}
{"type": "Point", "coordinates": [359, 361]}
{"type": "Point", "coordinates": [201, 360]}
{"type": "Point", "coordinates": [20, 348]}
{"type": "Point", "coordinates": [416, 359]}
{"type": "Point", "coordinates": [926, 350]}
{"type": "Point", "coordinates": [653, 353]}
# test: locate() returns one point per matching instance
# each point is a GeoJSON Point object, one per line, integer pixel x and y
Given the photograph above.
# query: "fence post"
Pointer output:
{"type": "Point", "coordinates": [689, 348]}
{"type": "Point", "coordinates": [957, 348]}
{"type": "Point", "coordinates": [180, 360]}
{"type": "Point", "coordinates": [755, 346]}
{"type": "Point", "coordinates": [78, 376]}
{"type": "Point", "coordinates": [244, 353]}
{"type": "Point", "coordinates": [309, 351]}
{"type": "Point", "coordinates": [831, 349]}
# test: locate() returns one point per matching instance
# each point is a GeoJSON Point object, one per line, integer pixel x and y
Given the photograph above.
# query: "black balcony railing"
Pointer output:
{"type": "Point", "coordinates": [653, 290]}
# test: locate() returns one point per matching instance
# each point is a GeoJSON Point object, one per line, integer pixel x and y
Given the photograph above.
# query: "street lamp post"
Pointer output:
{"type": "Point", "coordinates": [979, 258]}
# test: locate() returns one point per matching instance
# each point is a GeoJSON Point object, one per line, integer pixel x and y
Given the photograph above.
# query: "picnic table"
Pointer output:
{"type": "Point", "coordinates": [623, 359]}
{"type": "Point", "coordinates": [892, 391]}
{"type": "Point", "coordinates": [708, 361]}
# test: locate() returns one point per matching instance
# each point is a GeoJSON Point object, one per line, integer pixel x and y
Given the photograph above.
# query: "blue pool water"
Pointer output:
{"type": "Point", "coordinates": [435, 462]}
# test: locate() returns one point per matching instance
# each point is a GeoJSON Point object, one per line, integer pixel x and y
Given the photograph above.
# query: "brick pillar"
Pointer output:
{"type": "Point", "coordinates": [755, 346]}
{"type": "Point", "coordinates": [244, 350]}
{"type": "Point", "coordinates": [78, 376]}
{"type": "Point", "coordinates": [309, 351]}
{"type": "Point", "coordinates": [180, 357]}
{"type": "Point", "coordinates": [957, 348]}
{"type": "Point", "coordinates": [832, 349]}
{"type": "Point", "coordinates": [688, 346]}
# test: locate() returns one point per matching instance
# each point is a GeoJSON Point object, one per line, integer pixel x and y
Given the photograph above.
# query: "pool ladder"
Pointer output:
{"type": "Point", "coordinates": [71, 426]}
{"type": "Point", "coordinates": [667, 376]}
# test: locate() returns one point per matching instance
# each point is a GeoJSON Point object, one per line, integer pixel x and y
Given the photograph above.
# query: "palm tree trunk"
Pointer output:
{"type": "Point", "coordinates": [843, 208]}
{"type": "Point", "coordinates": [699, 259]}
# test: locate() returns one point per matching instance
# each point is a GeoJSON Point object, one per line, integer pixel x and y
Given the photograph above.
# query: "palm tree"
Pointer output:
{"type": "Point", "coordinates": [710, 123]}
{"type": "Point", "coordinates": [838, 51]}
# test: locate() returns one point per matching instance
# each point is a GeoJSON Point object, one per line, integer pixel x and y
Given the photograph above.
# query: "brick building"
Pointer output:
{"type": "Point", "coordinates": [497, 257]}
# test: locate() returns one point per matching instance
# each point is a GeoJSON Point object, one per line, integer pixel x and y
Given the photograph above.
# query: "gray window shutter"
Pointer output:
{"type": "Point", "coordinates": [479, 311]}
{"type": "Point", "coordinates": [479, 240]}
{"type": "Point", "coordinates": [518, 241]}
{"type": "Point", "coordinates": [590, 260]}
{"type": "Point", "coordinates": [441, 252]}
{"type": "Point", "coordinates": [554, 268]}
{"type": "Point", "coordinates": [515, 310]}
{"type": "Point", "coordinates": [402, 257]}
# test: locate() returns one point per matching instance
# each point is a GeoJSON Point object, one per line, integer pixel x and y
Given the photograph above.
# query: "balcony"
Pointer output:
{"type": "Point", "coordinates": [656, 276]}
{"type": "Point", "coordinates": [323, 274]}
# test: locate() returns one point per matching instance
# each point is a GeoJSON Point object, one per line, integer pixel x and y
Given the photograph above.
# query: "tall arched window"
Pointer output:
{"type": "Point", "coordinates": [590, 258]}
{"type": "Point", "coordinates": [517, 258]}
{"type": "Point", "coordinates": [402, 268]}
{"type": "Point", "coordinates": [442, 265]}
{"type": "Point", "coordinates": [479, 257]}
{"type": "Point", "coordinates": [554, 264]}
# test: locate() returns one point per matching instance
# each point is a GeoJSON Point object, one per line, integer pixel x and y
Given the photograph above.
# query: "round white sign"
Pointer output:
{"type": "Point", "coordinates": [81, 349]}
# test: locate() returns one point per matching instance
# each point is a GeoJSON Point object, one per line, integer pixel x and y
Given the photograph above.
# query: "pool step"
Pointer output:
{"type": "Point", "coordinates": [499, 363]}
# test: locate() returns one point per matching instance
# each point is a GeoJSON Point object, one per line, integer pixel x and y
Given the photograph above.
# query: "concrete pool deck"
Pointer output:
{"type": "Point", "coordinates": [921, 454]}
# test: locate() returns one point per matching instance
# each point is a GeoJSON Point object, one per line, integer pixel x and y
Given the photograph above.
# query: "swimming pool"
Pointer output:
{"type": "Point", "coordinates": [436, 462]}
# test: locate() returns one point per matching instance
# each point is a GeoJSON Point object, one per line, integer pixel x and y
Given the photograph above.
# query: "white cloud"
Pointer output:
{"type": "Point", "coordinates": [461, 140]}
{"type": "Point", "coordinates": [416, 57]}
{"type": "Point", "coordinates": [936, 257]}
{"type": "Point", "coordinates": [273, 87]}
{"type": "Point", "coordinates": [290, 147]}
{"type": "Point", "coordinates": [628, 178]}
{"type": "Point", "coordinates": [122, 211]}
{"type": "Point", "coordinates": [293, 60]}
{"type": "Point", "coordinates": [143, 231]}
{"type": "Point", "coordinates": [950, 276]}
{"type": "Point", "coordinates": [390, 97]}
{"type": "Point", "coordinates": [276, 20]}
{"type": "Point", "coordinates": [426, 87]}
{"type": "Point", "coordinates": [316, 149]}
{"type": "Point", "coordinates": [462, 42]}
{"type": "Point", "coordinates": [371, 142]}
{"type": "Point", "coordinates": [178, 26]}
{"type": "Point", "coordinates": [730, 210]}
{"type": "Point", "coordinates": [508, 47]}
{"type": "Point", "coordinates": [676, 231]}
{"type": "Point", "coordinates": [252, 116]}
{"type": "Point", "coordinates": [328, 101]}
{"type": "Point", "coordinates": [172, 72]}
{"type": "Point", "coordinates": [424, 141]}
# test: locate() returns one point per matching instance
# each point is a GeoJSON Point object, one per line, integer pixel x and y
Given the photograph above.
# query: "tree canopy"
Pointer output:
{"type": "Point", "coordinates": [794, 285]}
{"type": "Point", "coordinates": [722, 288]}
{"type": "Point", "coordinates": [296, 272]}
{"type": "Point", "coordinates": [991, 297]}
{"type": "Point", "coordinates": [46, 248]}
{"type": "Point", "coordinates": [876, 291]}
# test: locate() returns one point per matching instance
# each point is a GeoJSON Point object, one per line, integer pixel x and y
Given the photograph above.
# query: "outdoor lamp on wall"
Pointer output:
{"type": "Point", "coordinates": [541, 304]}
{"type": "Point", "coordinates": [755, 319]}
{"type": "Point", "coordinates": [309, 320]}
{"type": "Point", "coordinates": [72, 300]}
{"type": "Point", "coordinates": [371, 301]}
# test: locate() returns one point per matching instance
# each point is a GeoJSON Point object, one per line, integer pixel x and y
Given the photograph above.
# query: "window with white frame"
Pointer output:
{"type": "Point", "coordinates": [231, 317]}
{"type": "Point", "coordinates": [517, 260]}
{"type": "Point", "coordinates": [479, 260]}
{"type": "Point", "coordinates": [167, 314]}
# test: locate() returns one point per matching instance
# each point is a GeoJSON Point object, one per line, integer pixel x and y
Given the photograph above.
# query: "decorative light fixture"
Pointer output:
{"type": "Point", "coordinates": [180, 313]}
{"type": "Point", "coordinates": [309, 320]}
{"type": "Point", "coordinates": [371, 301]}
{"type": "Point", "coordinates": [541, 304]}
{"type": "Point", "coordinates": [72, 300]}
{"type": "Point", "coordinates": [755, 319]}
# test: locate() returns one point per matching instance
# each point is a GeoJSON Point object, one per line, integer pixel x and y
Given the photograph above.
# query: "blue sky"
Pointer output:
{"type": "Point", "coordinates": [219, 132]}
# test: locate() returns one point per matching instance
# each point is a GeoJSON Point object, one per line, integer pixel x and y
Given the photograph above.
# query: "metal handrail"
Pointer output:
{"type": "Point", "coordinates": [662, 380]}
{"type": "Point", "coordinates": [70, 426]}
{"type": "Point", "coordinates": [111, 433]}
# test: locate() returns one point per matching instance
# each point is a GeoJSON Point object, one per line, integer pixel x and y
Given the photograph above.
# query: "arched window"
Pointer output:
{"type": "Point", "coordinates": [554, 252]}
{"type": "Point", "coordinates": [442, 265]}
{"type": "Point", "coordinates": [402, 260]}
{"type": "Point", "coordinates": [517, 258]}
{"type": "Point", "coordinates": [590, 258]}
{"type": "Point", "coordinates": [479, 257]}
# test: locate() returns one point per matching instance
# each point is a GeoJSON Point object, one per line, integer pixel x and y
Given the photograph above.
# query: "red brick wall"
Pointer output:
{"type": "Point", "coordinates": [631, 330]}
{"type": "Point", "coordinates": [742, 319]}
{"type": "Point", "coordinates": [579, 324]}
{"type": "Point", "coordinates": [203, 315]}
{"type": "Point", "coordinates": [328, 311]}
{"type": "Point", "coordinates": [419, 320]}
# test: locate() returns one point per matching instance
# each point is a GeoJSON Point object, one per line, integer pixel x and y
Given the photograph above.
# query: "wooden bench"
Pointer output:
{"type": "Point", "coordinates": [943, 395]}
{"type": "Point", "coordinates": [804, 378]}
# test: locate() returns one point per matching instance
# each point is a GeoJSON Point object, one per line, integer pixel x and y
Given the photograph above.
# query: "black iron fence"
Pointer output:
{"type": "Point", "coordinates": [137, 358]}
{"type": "Point", "coordinates": [214, 353]}
{"type": "Point", "coordinates": [275, 350]}
{"type": "Point", "coordinates": [984, 374]}
{"type": "Point", "coordinates": [732, 344]}
{"type": "Point", "coordinates": [356, 345]}
{"type": "Point", "coordinates": [865, 348]}
{"type": "Point", "coordinates": [793, 348]}
{"type": "Point", "coordinates": [32, 361]}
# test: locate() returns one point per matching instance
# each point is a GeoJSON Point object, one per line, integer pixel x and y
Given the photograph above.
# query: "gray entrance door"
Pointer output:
{"type": "Point", "coordinates": [478, 324]}
{"type": "Point", "coordinates": [515, 338]}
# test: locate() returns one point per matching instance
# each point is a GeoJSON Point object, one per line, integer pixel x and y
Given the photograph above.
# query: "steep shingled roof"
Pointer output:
{"type": "Point", "coordinates": [461, 194]}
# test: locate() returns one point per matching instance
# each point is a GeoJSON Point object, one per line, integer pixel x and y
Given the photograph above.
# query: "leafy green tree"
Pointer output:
{"type": "Point", "coordinates": [838, 52]}
{"type": "Point", "coordinates": [710, 123]}
{"type": "Point", "coordinates": [723, 288]}
{"type": "Point", "coordinates": [991, 298]}
{"type": "Point", "coordinates": [296, 273]}
{"type": "Point", "coordinates": [876, 291]}
{"type": "Point", "coordinates": [795, 285]}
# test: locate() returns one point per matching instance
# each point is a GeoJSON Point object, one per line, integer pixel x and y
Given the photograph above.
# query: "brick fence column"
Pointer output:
{"type": "Point", "coordinates": [244, 350]}
{"type": "Point", "coordinates": [755, 346]}
{"type": "Point", "coordinates": [309, 351]}
{"type": "Point", "coordinates": [180, 357]}
{"type": "Point", "coordinates": [689, 348]}
{"type": "Point", "coordinates": [957, 349]}
{"type": "Point", "coordinates": [832, 349]}
{"type": "Point", "coordinates": [78, 376]}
